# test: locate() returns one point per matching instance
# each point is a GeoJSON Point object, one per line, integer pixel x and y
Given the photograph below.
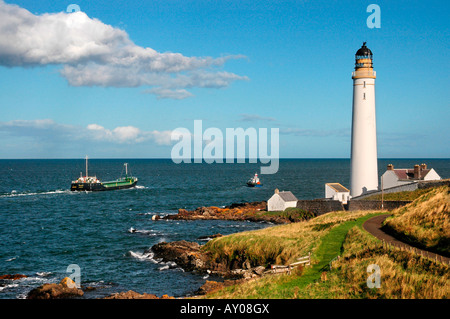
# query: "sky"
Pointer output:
{"type": "Point", "coordinates": [116, 78]}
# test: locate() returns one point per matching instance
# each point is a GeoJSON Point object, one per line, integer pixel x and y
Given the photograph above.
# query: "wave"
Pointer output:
{"type": "Point", "coordinates": [168, 265]}
{"type": "Point", "coordinates": [14, 193]}
{"type": "Point", "coordinates": [12, 258]}
{"type": "Point", "coordinates": [146, 255]}
{"type": "Point", "coordinates": [148, 232]}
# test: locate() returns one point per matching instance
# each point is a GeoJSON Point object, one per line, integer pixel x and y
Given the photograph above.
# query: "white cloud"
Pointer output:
{"type": "Point", "coordinates": [177, 94]}
{"type": "Point", "coordinates": [96, 54]}
{"type": "Point", "coordinates": [50, 131]}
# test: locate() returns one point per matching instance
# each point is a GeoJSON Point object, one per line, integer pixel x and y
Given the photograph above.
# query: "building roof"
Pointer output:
{"type": "Point", "coordinates": [338, 187]}
{"type": "Point", "coordinates": [408, 174]}
{"type": "Point", "coordinates": [287, 196]}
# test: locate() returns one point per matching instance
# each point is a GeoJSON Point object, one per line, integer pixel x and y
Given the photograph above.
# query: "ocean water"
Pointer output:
{"type": "Point", "coordinates": [44, 227]}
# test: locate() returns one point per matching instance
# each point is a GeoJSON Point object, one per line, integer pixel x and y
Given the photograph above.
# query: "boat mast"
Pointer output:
{"type": "Point", "coordinates": [126, 169]}
{"type": "Point", "coordinates": [87, 166]}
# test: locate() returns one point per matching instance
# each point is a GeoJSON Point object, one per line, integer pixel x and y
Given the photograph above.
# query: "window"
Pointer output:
{"type": "Point", "coordinates": [364, 83]}
{"type": "Point", "coordinates": [364, 96]}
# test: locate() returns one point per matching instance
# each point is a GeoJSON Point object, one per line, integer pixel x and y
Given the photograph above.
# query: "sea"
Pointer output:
{"type": "Point", "coordinates": [48, 232]}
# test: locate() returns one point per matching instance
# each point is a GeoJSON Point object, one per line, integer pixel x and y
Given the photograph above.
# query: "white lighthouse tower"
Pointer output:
{"type": "Point", "coordinates": [364, 168]}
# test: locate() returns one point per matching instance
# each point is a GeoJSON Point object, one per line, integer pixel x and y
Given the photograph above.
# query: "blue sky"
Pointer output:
{"type": "Point", "coordinates": [161, 65]}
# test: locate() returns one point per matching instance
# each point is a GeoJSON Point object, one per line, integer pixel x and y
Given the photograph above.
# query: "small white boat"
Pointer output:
{"type": "Point", "coordinates": [254, 181]}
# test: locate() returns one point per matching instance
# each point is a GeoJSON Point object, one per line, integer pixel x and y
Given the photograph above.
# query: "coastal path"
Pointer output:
{"type": "Point", "coordinates": [373, 226]}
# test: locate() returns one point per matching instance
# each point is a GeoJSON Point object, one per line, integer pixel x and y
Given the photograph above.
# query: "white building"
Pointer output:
{"type": "Point", "coordinates": [401, 176]}
{"type": "Point", "coordinates": [338, 192]}
{"type": "Point", "coordinates": [280, 201]}
{"type": "Point", "coordinates": [364, 167]}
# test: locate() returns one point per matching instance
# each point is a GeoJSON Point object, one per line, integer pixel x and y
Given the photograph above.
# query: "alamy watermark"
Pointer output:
{"type": "Point", "coordinates": [374, 279]}
{"type": "Point", "coordinates": [75, 276]}
{"type": "Point", "coordinates": [374, 20]}
{"type": "Point", "coordinates": [73, 8]}
{"type": "Point", "coordinates": [212, 146]}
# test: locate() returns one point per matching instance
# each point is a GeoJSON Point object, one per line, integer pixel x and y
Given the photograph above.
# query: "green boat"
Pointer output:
{"type": "Point", "coordinates": [92, 183]}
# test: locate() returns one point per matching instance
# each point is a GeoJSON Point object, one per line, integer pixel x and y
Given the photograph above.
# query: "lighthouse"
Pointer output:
{"type": "Point", "coordinates": [364, 167]}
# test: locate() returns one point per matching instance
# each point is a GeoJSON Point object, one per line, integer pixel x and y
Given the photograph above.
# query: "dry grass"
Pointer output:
{"type": "Point", "coordinates": [279, 244]}
{"type": "Point", "coordinates": [404, 275]}
{"type": "Point", "coordinates": [424, 222]}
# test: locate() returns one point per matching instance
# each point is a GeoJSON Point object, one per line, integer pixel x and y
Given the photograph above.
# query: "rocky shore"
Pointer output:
{"type": "Point", "coordinates": [254, 211]}
{"type": "Point", "coordinates": [189, 255]}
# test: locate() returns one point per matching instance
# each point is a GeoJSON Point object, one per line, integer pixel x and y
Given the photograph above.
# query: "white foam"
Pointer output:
{"type": "Point", "coordinates": [147, 255]}
{"type": "Point", "coordinates": [14, 193]}
{"type": "Point", "coordinates": [167, 265]}
{"type": "Point", "coordinates": [43, 274]}
{"type": "Point", "coordinates": [148, 232]}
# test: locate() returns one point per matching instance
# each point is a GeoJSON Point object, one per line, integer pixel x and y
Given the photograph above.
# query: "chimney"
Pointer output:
{"type": "Point", "coordinates": [416, 171]}
{"type": "Point", "coordinates": [423, 166]}
{"type": "Point", "coordinates": [276, 191]}
{"type": "Point", "coordinates": [390, 167]}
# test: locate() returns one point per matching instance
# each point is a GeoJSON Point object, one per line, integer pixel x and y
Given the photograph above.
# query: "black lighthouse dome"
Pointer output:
{"type": "Point", "coordinates": [363, 57]}
{"type": "Point", "coordinates": [364, 51]}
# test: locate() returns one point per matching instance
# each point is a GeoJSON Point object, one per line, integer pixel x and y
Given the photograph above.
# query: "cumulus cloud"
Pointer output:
{"type": "Point", "coordinates": [96, 54]}
{"type": "Point", "coordinates": [48, 129]}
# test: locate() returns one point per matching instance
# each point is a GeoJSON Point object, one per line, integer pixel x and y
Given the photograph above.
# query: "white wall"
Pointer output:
{"type": "Point", "coordinates": [432, 176]}
{"type": "Point", "coordinates": [364, 166]}
{"type": "Point", "coordinates": [331, 193]}
{"type": "Point", "coordinates": [276, 204]}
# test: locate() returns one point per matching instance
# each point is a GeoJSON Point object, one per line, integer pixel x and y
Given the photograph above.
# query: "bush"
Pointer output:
{"type": "Point", "coordinates": [295, 214]}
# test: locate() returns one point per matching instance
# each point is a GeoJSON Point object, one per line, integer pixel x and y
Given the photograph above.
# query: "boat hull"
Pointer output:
{"type": "Point", "coordinates": [107, 186]}
{"type": "Point", "coordinates": [253, 185]}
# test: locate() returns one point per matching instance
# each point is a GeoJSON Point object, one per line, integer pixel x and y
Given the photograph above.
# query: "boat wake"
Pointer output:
{"type": "Point", "coordinates": [14, 193]}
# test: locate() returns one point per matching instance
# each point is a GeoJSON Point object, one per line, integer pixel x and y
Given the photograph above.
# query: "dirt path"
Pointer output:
{"type": "Point", "coordinates": [373, 226]}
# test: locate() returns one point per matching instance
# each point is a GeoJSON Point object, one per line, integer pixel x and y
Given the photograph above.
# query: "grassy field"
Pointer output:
{"type": "Point", "coordinates": [425, 222]}
{"type": "Point", "coordinates": [403, 274]}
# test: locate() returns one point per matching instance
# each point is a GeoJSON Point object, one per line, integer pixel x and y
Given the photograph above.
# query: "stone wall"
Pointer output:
{"type": "Point", "coordinates": [374, 204]}
{"type": "Point", "coordinates": [407, 188]}
{"type": "Point", "coordinates": [320, 207]}
{"type": "Point", "coordinates": [428, 184]}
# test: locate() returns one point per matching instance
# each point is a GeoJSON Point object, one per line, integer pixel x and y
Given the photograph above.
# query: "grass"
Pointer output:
{"type": "Point", "coordinates": [292, 213]}
{"type": "Point", "coordinates": [404, 196]}
{"type": "Point", "coordinates": [425, 222]}
{"type": "Point", "coordinates": [403, 274]}
{"type": "Point", "coordinates": [325, 243]}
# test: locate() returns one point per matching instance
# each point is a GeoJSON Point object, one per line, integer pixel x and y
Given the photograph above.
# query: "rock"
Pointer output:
{"type": "Point", "coordinates": [13, 277]}
{"type": "Point", "coordinates": [56, 291]}
{"type": "Point", "coordinates": [185, 254]}
{"type": "Point", "coordinates": [209, 286]}
{"type": "Point", "coordinates": [212, 286]}
{"type": "Point", "coordinates": [239, 211]}
{"type": "Point", "coordinates": [259, 270]}
{"type": "Point", "coordinates": [68, 283]}
{"type": "Point", "coordinates": [135, 295]}
{"type": "Point", "coordinates": [131, 295]}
